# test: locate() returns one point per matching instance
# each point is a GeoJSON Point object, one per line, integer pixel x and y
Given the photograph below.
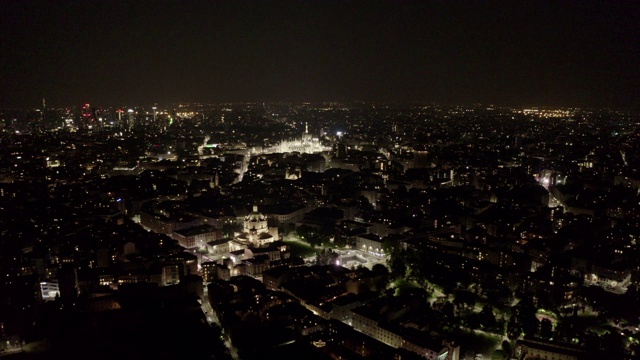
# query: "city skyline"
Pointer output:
{"type": "Point", "coordinates": [320, 231]}
{"type": "Point", "coordinates": [571, 54]}
{"type": "Point", "coordinates": [319, 179]}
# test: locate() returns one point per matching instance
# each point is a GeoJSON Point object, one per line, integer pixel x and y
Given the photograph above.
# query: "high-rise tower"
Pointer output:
{"type": "Point", "coordinates": [155, 111]}
{"type": "Point", "coordinates": [131, 122]}
{"type": "Point", "coordinates": [86, 115]}
{"type": "Point", "coordinates": [44, 107]}
{"type": "Point", "coordinates": [120, 124]}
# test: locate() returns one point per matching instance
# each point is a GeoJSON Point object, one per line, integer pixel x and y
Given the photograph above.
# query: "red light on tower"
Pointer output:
{"type": "Point", "coordinates": [86, 111]}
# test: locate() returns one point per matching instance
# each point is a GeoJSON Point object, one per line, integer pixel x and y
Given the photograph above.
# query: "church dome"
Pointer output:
{"type": "Point", "coordinates": [255, 215]}
{"type": "Point", "coordinates": [255, 221]}
{"type": "Point", "coordinates": [256, 230]}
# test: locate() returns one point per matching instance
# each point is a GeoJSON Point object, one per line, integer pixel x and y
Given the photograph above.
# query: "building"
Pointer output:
{"type": "Point", "coordinates": [49, 290]}
{"type": "Point", "coordinates": [421, 159]}
{"type": "Point", "coordinates": [306, 144]}
{"type": "Point", "coordinates": [369, 323]}
{"type": "Point", "coordinates": [381, 322]}
{"type": "Point", "coordinates": [256, 232]}
{"type": "Point", "coordinates": [209, 271]}
{"type": "Point", "coordinates": [68, 283]}
{"type": "Point", "coordinates": [170, 274]}
{"type": "Point", "coordinates": [369, 243]}
{"type": "Point", "coordinates": [197, 237]}
{"type": "Point", "coordinates": [287, 215]}
{"type": "Point", "coordinates": [540, 349]}
{"type": "Point", "coordinates": [218, 247]}
{"type": "Point", "coordinates": [131, 123]}
{"type": "Point", "coordinates": [161, 224]}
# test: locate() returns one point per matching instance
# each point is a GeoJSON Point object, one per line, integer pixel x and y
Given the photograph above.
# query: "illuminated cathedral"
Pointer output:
{"type": "Point", "coordinates": [256, 232]}
{"type": "Point", "coordinates": [306, 144]}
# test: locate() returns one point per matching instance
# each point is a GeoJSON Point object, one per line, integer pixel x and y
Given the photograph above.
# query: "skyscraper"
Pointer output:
{"type": "Point", "coordinates": [131, 122]}
{"type": "Point", "coordinates": [44, 107]}
{"type": "Point", "coordinates": [155, 111]}
{"type": "Point", "coordinates": [86, 113]}
{"type": "Point", "coordinates": [120, 124]}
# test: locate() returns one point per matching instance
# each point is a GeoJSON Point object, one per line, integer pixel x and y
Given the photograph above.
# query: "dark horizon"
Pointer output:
{"type": "Point", "coordinates": [568, 54]}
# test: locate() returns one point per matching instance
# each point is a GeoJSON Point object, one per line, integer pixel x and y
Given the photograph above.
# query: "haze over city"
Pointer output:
{"type": "Point", "coordinates": [515, 53]}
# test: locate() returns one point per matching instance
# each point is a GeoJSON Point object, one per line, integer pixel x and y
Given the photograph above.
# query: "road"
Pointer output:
{"type": "Point", "coordinates": [212, 318]}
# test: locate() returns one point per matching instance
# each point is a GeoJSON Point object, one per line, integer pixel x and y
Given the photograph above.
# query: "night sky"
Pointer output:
{"type": "Point", "coordinates": [544, 53]}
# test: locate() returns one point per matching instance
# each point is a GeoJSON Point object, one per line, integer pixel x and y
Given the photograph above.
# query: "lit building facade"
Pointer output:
{"type": "Point", "coordinates": [256, 232]}
{"type": "Point", "coordinates": [49, 290]}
